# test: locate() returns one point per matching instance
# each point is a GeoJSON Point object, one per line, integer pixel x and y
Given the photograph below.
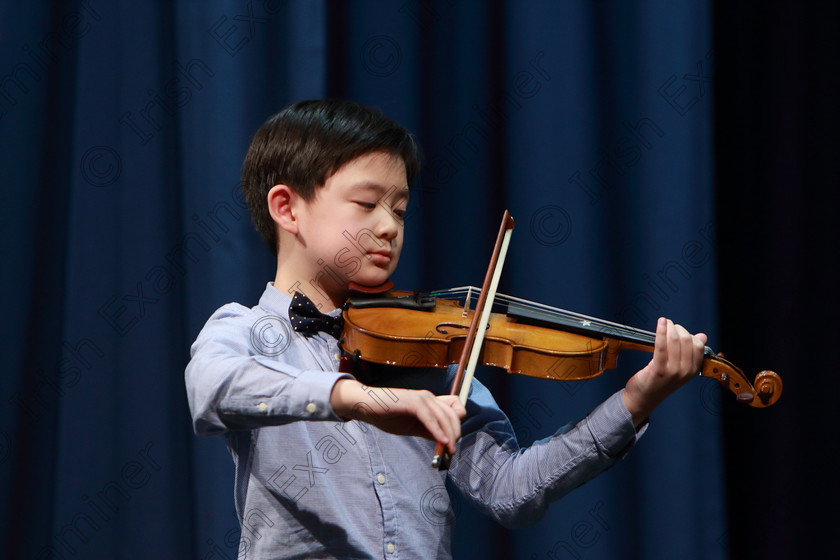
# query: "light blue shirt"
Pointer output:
{"type": "Point", "coordinates": [309, 485]}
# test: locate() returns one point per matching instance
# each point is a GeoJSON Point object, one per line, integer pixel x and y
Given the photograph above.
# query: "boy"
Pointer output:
{"type": "Point", "coordinates": [327, 467]}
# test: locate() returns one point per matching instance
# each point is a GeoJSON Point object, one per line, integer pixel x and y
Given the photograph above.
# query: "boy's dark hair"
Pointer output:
{"type": "Point", "coordinates": [305, 143]}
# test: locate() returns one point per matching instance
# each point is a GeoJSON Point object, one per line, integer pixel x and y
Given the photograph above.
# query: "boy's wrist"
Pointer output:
{"type": "Point", "coordinates": [344, 396]}
{"type": "Point", "coordinates": [637, 411]}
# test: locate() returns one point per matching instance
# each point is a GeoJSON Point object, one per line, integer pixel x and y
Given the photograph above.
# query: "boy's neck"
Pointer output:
{"type": "Point", "coordinates": [325, 297]}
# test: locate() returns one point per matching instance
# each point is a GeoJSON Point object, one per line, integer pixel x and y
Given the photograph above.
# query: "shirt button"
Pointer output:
{"type": "Point", "coordinates": [262, 406]}
{"type": "Point", "coordinates": [311, 408]}
{"type": "Point", "coordinates": [391, 548]}
{"type": "Point", "coordinates": [380, 478]}
{"type": "Point", "coordinates": [337, 356]}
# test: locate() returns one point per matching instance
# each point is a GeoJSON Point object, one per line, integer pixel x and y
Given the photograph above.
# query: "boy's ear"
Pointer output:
{"type": "Point", "coordinates": [281, 204]}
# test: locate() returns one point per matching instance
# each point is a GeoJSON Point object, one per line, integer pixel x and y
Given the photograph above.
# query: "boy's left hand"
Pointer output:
{"type": "Point", "coordinates": [677, 357]}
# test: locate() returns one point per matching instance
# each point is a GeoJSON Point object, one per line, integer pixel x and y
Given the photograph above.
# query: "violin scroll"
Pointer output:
{"type": "Point", "coordinates": [766, 390]}
{"type": "Point", "coordinates": [769, 387]}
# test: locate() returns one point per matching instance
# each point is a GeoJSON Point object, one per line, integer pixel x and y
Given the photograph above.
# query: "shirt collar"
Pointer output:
{"type": "Point", "coordinates": [276, 301]}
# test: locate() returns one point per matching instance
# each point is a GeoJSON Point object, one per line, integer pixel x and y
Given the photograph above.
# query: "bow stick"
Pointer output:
{"type": "Point", "coordinates": [475, 336]}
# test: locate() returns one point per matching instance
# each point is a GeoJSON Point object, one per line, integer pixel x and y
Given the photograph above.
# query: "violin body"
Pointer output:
{"type": "Point", "coordinates": [419, 338]}
{"type": "Point", "coordinates": [411, 329]}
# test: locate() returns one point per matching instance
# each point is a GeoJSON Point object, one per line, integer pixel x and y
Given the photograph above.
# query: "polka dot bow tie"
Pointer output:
{"type": "Point", "coordinates": [306, 318]}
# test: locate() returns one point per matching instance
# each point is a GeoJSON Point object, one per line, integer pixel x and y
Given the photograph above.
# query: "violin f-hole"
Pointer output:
{"type": "Point", "coordinates": [439, 327]}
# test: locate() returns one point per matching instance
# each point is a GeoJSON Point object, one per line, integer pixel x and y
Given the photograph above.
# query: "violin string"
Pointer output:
{"type": "Point", "coordinates": [579, 316]}
{"type": "Point", "coordinates": [596, 325]}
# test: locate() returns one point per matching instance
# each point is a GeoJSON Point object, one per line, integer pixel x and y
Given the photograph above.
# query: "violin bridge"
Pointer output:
{"type": "Point", "coordinates": [467, 300]}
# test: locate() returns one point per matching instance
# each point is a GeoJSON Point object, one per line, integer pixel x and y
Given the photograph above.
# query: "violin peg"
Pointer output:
{"type": "Point", "coordinates": [719, 354]}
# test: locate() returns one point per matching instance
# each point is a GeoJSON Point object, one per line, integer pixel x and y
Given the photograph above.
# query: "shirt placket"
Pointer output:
{"type": "Point", "coordinates": [382, 481]}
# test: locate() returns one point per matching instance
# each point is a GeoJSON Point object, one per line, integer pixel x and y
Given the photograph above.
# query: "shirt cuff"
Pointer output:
{"type": "Point", "coordinates": [611, 424]}
{"type": "Point", "coordinates": [306, 398]}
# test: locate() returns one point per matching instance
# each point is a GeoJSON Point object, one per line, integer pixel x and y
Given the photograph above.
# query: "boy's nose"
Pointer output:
{"type": "Point", "coordinates": [387, 226]}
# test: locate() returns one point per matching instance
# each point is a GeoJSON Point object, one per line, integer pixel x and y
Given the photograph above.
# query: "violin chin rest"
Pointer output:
{"type": "Point", "coordinates": [380, 289]}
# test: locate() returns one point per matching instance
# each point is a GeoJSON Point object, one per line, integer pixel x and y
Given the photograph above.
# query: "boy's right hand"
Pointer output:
{"type": "Point", "coordinates": [405, 412]}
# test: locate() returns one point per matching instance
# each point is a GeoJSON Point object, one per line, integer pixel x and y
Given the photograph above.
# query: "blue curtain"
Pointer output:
{"type": "Point", "coordinates": [123, 126]}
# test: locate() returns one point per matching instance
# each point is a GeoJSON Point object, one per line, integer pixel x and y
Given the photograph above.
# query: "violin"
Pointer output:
{"type": "Point", "coordinates": [438, 329]}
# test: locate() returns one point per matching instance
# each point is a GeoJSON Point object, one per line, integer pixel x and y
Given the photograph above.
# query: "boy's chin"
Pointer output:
{"type": "Point", "coordinates": [372, 277]}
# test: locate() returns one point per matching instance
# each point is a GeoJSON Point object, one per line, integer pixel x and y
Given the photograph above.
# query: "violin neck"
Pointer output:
{"type": "Point", "coordinates": [533, 313]}
{"type": "Point", "coordinates": [581, 324]}
{"type": "Point", "coordinates": [630, 337]}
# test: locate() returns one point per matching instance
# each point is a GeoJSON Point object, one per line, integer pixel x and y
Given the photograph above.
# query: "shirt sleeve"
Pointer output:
{"type": "Point", "coordinates": [231, 387]}
{"type": "Point", "coordinates": [515, 485]}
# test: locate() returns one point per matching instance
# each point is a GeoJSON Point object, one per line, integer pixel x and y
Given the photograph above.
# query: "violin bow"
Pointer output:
{"type": "Point", "coordinates": [478, 326]}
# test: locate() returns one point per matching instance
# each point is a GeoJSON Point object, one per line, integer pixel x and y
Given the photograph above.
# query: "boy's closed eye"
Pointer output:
{"type": "Point", "coordinates": [370, 206]}
{"type": "Point", "coordinates": [366, 205]}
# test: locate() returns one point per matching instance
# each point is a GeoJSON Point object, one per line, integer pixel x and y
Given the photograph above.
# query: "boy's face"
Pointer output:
{"type": "Point", "coordinates": [354, 224]}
